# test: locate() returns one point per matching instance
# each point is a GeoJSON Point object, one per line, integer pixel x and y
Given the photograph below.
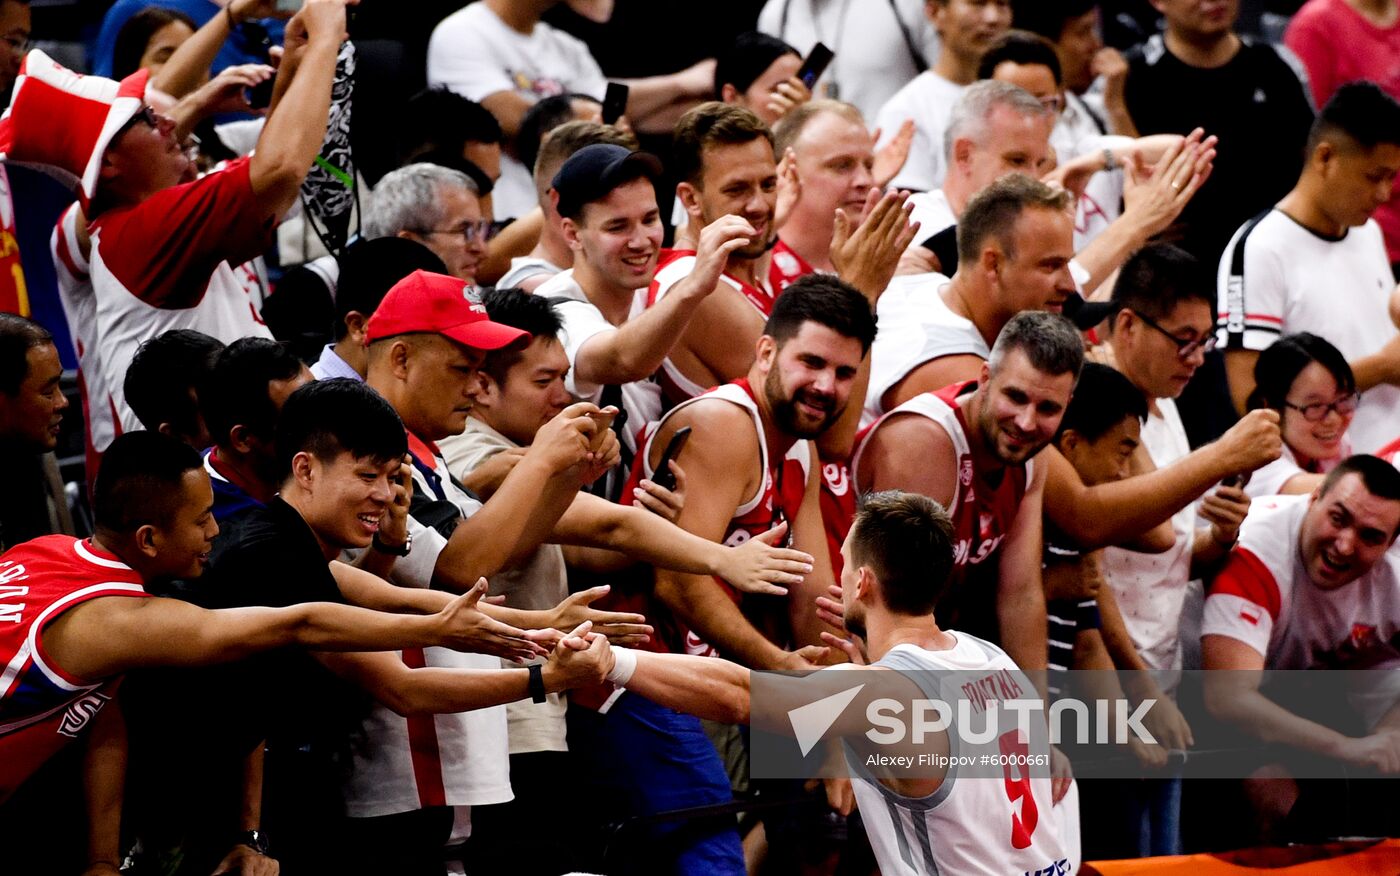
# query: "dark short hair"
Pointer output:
{"type": "Point", "coordinates": [568, 138]}
{"type": "Point", "coordinates": [370, 268]}
{"type": "Point", "coordinates": [825, 300]}
{"type": "Point", "coordinates": [517, 309]}
{"type": "Point", "coordinates": [235, 391]}
{"type": "Point", "coordinates": [1049, 17]}
{"type": "Point", "coordinates": [1051, 343]}
{"type": "Point", "coordinates": [747, 58]}
{"type": "Point", "coordinates": [1380, 478]}
{"type": "Point", "coordinates": [1160, 276]}
{"type": "Point", "coordinates": [712, 124]}
{"type": "Point", "coordinates": [140, 481]}
{"type": "Point", "coordinates": [438, 119]}
{"type": "Point", "coordinates": [136, 34]}
{"type": "Point", "coordinates": [546, 115]}
{"type": "Point", "coordinates": [1280, 363]}
{"type": "Point", "coordinates": [993, 212]}
{"type": "Point", "coordinates": [1023, 48]}
{"type": "Point", "coordinates": [1360, 112]}
{"type": "Point", "coordinates": [162, 382]}
{"type": "Point", "coordinates": [906, 539]}
{"type": "Point", "coordinates": [1102, 399]}
{"type": "Point", "coordinates": [328, 417]}
{"type": "Point", "coordinates": [17, 337]}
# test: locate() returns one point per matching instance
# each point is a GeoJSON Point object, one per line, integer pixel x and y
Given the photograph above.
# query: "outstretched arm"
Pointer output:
{"type": "Point", "coordinates": [755, 566]}
{"type": "Point", "coordinates": [107, 636]}
{"type": "Point", "coordinates": [1120, 511]}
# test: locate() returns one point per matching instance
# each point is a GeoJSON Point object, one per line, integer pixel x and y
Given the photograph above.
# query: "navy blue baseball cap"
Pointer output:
{"type": "Point", "coordinates": [592, 172]}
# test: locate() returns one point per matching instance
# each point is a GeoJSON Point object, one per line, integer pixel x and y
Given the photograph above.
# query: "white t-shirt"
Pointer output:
{"type": "Point", "coordinates": [476, 54]}
{"type": "Point", "coordinates": [916, 326]}
{"type": "Point", "coordinates": [582, 320]}
{"type": "Point", "coordinates": [1277, 277]}
{"type": "Point", "coordinates": [1271, 479]}
{"type": "Point", "coordinates": [523, 268]}
{"type": "Point", "coordinates": [1264, 598]}
{"type": "Point", "coordinates": [928, 100]}
{"type": "Point", "coordinates": [537, 583]}
{"type": "Point", "coordinates": [932, 212]}
{"type": "Point", "coordinates": [1077, 133]}
{"type": "Point", "coordinates": [872, 58]}
{"type": "Point", "coordinates": [1151, 588]}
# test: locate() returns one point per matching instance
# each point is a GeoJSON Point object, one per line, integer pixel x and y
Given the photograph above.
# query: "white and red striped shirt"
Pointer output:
{"type": "Point", "coordinates": [167, 263]}
{"type": "Point", "coordinates": [1264, 598]}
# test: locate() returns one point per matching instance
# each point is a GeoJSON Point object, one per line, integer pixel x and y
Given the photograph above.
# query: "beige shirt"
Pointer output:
{"type": "Point", "coordinates": [538, 584]}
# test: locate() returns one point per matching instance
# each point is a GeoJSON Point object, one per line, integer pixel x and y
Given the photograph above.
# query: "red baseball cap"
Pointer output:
{"type": "Point", "coordinates": [443, 305]}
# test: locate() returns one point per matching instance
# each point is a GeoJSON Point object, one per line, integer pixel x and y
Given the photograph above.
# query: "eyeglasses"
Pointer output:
{"type": "Point", "coordinates": [1184, 349]}
{"type": "Point", "coordinates": [1316, 413]}
{"type": "Point", "coordinates": [480, 230]}
{"type": "Point", "coordinates": [145, 114]}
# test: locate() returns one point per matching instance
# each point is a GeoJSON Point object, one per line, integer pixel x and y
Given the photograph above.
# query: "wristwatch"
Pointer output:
{"type": "Point", "coordinates": [537, 691]}
{"type": "Point", "coordinates": [400, 551]}
{"type": "Point", "coordinates": [255, 840]}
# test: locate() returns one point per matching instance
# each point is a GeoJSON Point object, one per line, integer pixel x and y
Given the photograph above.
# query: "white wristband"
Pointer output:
{"type": "Point", "coordinates": [624, 664]}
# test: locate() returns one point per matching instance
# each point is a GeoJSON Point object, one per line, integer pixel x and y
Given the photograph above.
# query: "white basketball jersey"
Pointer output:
{"type": "Point", "coordinates": [986, 826]}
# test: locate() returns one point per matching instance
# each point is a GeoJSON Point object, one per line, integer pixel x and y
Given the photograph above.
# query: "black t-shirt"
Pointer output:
{"type": "Point", "coordinates": [193, 717]}
{"type": "Point", "coordinates": [273, 559]}
{"type": "Point", "coordinates": [1255, 104]}
{"type": "Point", "coordinates": [24, 513]}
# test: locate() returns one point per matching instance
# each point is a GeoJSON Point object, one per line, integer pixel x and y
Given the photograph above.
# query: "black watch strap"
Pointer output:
{"type": "Point", "coordinates": [255, 840]}
{"type": "Point", "coordinates": [400, 551]}
{"type": "Point", "coordinates": [537, 692]}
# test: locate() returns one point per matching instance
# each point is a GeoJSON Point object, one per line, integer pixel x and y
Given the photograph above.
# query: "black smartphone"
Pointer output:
{"type": "Point", "coordinates": [1237, 480]}
{"type": "Point", "coordinates": [815, 64]}
{"type": "Point", "coordinates": [260, 95]}
{"type": "Point", "coordinates": [614, 102]}
{"type": "Point", "coordinates": [663, 476]}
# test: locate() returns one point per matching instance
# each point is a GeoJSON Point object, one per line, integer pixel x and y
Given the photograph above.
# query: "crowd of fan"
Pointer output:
{"type": "Point", "coordinates": [407, 461]}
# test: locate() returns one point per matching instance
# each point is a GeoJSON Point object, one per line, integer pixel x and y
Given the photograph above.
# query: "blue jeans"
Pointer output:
{"type": "Point", "coordinates": [1152, 816]}
{"type": "Point", "coordinates": [649, 759]}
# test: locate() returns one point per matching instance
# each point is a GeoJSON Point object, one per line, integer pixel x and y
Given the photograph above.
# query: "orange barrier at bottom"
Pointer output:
{"type": "Point", "coordinates": [1366, 858]}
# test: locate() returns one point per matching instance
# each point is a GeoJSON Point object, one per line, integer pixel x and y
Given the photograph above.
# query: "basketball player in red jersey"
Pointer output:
{"type": "Point", "coordinates": [969, 447]}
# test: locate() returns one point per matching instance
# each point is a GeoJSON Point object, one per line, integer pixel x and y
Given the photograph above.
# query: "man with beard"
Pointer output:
{"type": "Point", "coordinates": [749, 446]}
{"type": "Point", "coordinates": [752, 448]}
{"type": "Point", "coordinates": [969, 446]}
{"type": "Point", "coordinates": [615, 339]}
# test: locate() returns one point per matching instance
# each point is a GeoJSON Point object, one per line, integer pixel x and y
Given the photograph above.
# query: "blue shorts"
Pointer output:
{"type": "Point", "coordinates": [650, 759]}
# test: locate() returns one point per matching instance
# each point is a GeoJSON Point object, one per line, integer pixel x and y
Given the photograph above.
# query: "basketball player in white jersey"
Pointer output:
{"type": "Point", "coordinates": [897, 559]}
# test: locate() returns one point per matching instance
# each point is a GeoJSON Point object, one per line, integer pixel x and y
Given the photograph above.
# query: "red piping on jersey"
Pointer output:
{"type": "Point", "coordinates": [423, 746]}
